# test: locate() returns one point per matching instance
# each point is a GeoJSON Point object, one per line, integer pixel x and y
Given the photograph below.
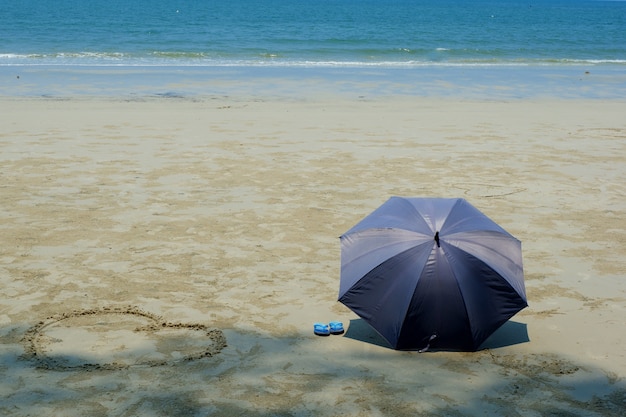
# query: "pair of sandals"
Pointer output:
{"type": "Point", "coordinates": [322, 329]}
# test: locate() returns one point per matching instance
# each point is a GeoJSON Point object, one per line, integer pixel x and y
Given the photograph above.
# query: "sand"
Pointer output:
{"type": "Point", "coordinates": [169, 256]}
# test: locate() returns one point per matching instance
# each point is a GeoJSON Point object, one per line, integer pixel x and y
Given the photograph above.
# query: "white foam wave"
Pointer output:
{"type": "Point", "coordinates": [81, 59]}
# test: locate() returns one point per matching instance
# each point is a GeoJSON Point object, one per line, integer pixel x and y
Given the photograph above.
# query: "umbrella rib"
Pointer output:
{"type": "Point", "coordinates": [505, 271]}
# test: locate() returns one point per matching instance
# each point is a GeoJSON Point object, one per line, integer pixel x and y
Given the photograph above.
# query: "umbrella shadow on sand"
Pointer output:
{"type": "Point", "coordinates": [509, 334]}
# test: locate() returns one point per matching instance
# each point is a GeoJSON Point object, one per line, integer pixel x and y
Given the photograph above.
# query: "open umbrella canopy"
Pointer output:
{"type": "Point", "coordinates": [431, 272]}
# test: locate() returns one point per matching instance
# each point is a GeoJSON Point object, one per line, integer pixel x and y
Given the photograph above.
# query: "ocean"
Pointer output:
{"type": "Point", "coordinates": [196, 47]}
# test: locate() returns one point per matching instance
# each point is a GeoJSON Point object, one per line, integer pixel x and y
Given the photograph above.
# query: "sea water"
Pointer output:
{"type": "Point", "coordinates": [187, 47]}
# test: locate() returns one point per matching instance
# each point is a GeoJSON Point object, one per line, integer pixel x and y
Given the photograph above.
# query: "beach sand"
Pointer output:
{"type": "Point", "coordinates": [169, 256]}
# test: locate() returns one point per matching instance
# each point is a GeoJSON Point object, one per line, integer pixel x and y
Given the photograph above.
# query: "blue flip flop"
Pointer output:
{"type": "Point", "coordinates": [336, 327]}
{"type": "Point", "coordinates": [321, 329]}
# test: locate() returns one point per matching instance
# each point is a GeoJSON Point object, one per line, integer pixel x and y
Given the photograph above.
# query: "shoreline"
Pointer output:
{"type": "Point", "coordinates": [491, 82]}
{"type": "Point", "coordinates": [224, 212]}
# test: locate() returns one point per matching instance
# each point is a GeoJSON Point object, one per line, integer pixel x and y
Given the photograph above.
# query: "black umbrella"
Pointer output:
{"type": "Point", "coordinates": [431, 272]}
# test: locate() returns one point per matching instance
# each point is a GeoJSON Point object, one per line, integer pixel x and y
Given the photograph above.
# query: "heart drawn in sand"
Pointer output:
{"type": "Point", "coordinates": [116, 338]}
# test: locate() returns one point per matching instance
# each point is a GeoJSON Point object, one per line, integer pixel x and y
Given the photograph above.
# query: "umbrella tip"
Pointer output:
{"type": "Point", "coordinates": [437, 239]}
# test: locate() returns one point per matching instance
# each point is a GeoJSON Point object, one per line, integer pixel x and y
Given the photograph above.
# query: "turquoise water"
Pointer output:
{"type": "Point", "coordinates": [311, 32]}
{"type": "Point", "coordinates": [404, 38]}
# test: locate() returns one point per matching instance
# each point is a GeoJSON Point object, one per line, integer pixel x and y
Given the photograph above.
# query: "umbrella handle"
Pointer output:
{"type": "Point", "coordinates": [432, 337]}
